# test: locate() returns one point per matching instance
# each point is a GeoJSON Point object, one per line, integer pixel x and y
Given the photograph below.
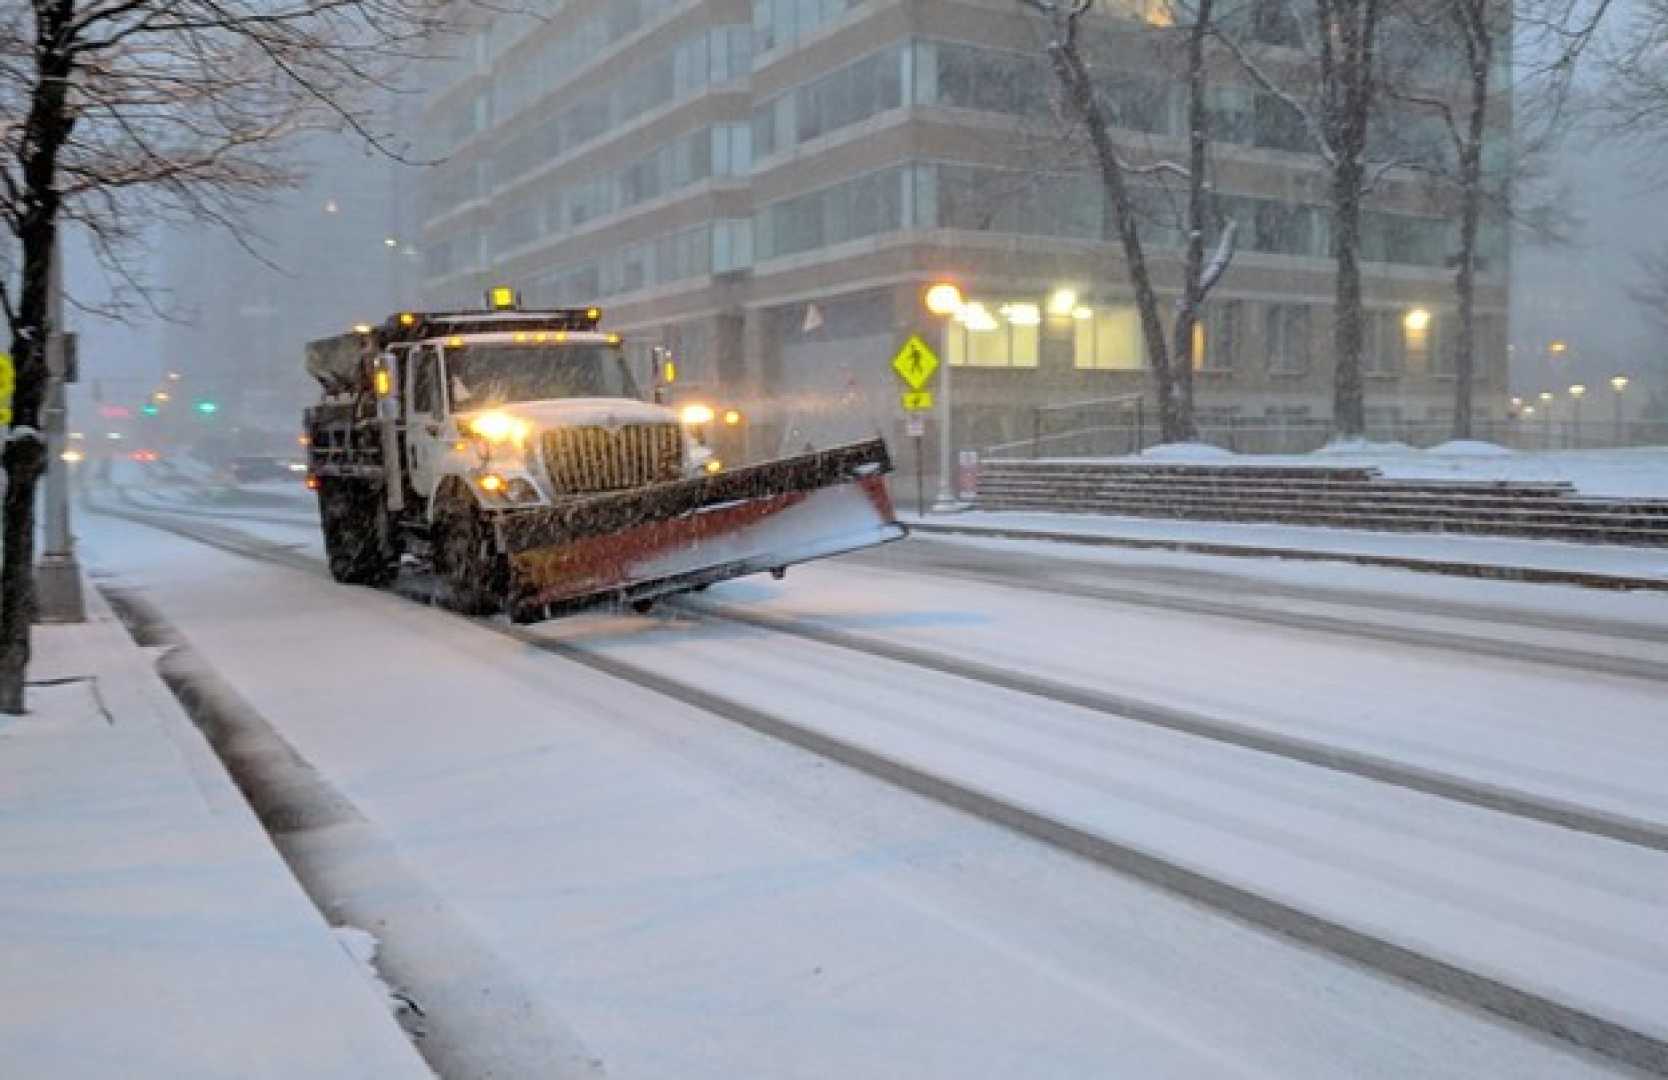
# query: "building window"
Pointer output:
{"type": "Point", "coordinates": [1383, 343]}
{"type": "Point", "coordinates": [1001, 334]}
{"type": "Point", "coordinates": [1287, 340]}
{"type": "Point", "coordinates": [1216, 336]}
{"type": "Point", "coordinates": [1108, 339]}
{"type": "Point", "coordinates": [860, 207]}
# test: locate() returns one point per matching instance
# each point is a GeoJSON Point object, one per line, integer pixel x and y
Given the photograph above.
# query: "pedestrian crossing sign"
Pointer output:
{"type": "Point", "coordinates": [915, 363]}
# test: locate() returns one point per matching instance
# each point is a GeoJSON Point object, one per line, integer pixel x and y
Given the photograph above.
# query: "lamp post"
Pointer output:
{"type": "Point", "coordinates": [1619, 383]}
{"type": "Point", "coordinates": [945, 301]}
{"type": "Point", "coordinates": [1546, 404]}
{"type": "Point", "coordinates": [1577, 392]}
{"type": "Point", "coordinates": [58, 574]}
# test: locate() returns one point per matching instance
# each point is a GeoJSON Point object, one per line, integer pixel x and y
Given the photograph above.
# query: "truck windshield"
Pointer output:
{"type": "Point", "coordinates": [483, 375]}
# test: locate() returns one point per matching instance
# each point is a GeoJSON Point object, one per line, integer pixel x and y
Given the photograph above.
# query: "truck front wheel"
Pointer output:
{"type": "Point", "coordinates": [466, 559]}
{"type": "Point", "coordinates": [355, 534]}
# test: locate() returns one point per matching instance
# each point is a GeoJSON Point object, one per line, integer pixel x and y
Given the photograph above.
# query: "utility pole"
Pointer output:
{"type": "Point", "coordinates": [58, 575]}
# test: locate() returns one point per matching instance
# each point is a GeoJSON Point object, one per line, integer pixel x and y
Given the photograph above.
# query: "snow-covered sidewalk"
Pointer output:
{"type": "Point", "coordinates": [149, 927]}
{"type": "Point", "coordinates": [1474, 556]}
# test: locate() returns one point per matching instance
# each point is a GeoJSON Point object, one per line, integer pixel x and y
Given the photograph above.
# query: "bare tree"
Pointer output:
{"type": "Point", "coordinates": [120, 110]}
{"type": "Point", "coordinates": [1171, 361]}
{"type": "Point", "coordinates": [1549, 37]}
{"type": "Point", "coordinates": [1634, 102]}
{"type": "Point", "coordinates": [1650, 291]}
{"type": "Point", "coordinates": [1334, 88]}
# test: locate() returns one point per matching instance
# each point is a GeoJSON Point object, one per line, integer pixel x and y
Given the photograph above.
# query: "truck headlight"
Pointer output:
{"type": "Point", "coordinates": [696, 415]}
{"type": "Point", "coordinates": [499, 427]}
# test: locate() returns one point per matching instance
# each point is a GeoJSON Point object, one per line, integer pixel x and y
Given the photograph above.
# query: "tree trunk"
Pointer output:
{"type": "Point", "coordinates": [1193, 283]}
{"type": "Point", "coordinates": [1174, 421]}
{"type": "Point", "coordinates": [1471, 195]}
{"type": "Point", "coordinates": [46, 129]}
{"type": "Point", "coordinates": [1349, 408]}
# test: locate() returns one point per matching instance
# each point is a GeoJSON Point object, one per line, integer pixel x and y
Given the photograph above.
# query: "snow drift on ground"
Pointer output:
{"type": "Point", "coordinates": [1637, 472]}
{"type": "Point", "coordinates": [1187, 451]}
{"type": "Point", "coordinates": [1469, 448]}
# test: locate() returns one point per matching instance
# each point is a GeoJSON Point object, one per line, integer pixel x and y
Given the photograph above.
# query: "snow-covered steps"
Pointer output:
{"type": "Point", "coordinates": [1336, 497]}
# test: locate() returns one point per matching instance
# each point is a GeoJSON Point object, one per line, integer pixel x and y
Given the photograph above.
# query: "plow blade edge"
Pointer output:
{"type": "Point", "coordinates": [671, 537]}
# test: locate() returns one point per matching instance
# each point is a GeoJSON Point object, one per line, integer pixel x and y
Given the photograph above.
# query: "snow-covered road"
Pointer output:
{"type": "Point", "coordinates": [698, 900]}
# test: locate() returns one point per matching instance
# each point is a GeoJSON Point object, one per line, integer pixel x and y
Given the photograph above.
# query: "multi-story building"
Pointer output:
{"type": "Point", "coordinates": [768, 188]}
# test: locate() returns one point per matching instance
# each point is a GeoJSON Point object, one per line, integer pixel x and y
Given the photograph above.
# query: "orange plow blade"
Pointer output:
{"type": "Point", "coordinates": [668, 538]}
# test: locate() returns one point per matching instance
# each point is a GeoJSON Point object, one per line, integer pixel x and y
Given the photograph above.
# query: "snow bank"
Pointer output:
{"type": "Point", "coordinates": [1187, 451]}
{"type": "Point", "coordinates": [1363, 446]}
{"type": "Point", "coordinates": [1469, 448]}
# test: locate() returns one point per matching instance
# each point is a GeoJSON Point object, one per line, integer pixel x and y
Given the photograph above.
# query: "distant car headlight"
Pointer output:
{"type": "Point", "coordinates": [697, 415]}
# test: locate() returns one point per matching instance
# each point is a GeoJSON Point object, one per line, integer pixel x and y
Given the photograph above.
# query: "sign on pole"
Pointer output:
{"type": "Point", "coordinates": [915, 363]}
{"type": "Point", "coordinates": [8, 383]}
{"type": "Point", "coordinates": [917, 401]}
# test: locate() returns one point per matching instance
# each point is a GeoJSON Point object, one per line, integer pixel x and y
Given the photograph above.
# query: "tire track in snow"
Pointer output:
{"type": "Point", "coordinates": [1447, 641]}
{"type": "Point", "coordinates": [1566, 815]}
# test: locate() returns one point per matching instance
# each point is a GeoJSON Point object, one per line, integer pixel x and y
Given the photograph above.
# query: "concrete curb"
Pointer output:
{"type": "Point", "coordinates": [1452, 568]}
{"type": "Point", "coordinates": [481, 1021]}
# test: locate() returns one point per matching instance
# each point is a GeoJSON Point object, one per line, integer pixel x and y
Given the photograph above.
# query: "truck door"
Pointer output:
{"type": "Point", "coordinates": [423, 418]}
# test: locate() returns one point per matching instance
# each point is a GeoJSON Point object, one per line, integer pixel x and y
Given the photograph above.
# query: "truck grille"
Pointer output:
{"type": "Point", "coordinates": [588, 459]}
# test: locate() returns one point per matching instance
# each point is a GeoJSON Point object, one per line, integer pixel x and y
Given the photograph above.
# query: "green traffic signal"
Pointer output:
{"type": "Point", "coordinates": [207, 407]}
{"type": "Point", "coordinates": [149, 409]}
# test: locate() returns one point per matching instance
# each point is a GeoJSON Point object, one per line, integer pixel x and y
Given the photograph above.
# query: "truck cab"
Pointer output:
{"type": "Point", "coordinates": [527, 418]}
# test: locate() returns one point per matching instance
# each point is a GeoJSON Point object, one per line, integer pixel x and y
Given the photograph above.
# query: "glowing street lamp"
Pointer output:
{"type": "Point", "coordinates": [1418, 320]}
{"type": "Point", "coordinates": [1062, 303]}
{"type": "Point", "coordinates": [944, 300]}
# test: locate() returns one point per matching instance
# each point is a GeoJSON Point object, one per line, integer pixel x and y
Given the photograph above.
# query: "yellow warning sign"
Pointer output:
{"type": "Point", "coordinates": [8, 383]}
{"type": "Point", "coordinates": [917, 401]}
{"type": "Point", "coordinates": [915, 362]}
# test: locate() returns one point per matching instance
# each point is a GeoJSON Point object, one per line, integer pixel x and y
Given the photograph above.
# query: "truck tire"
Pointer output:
{"type": "Point", "coordinates": [354, 534]}
{"type": "Point", "coordinates": [475, 576]}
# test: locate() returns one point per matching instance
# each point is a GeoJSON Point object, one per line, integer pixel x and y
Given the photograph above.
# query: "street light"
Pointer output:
{"type": "Point", "coordinates": [1418, 320]}
{"type": "Point", "coordinates": [1619, 383]}
{"type": "Point", "coordinates": [1546, 405]}
{"type": "Point", "coordinates": [1577, 392]}
{"type": "Point", "coordinates": [945, 300]}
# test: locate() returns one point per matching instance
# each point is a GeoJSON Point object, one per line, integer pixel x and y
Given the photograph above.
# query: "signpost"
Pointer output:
{"type": "Point", "coordinates": [916, 364]}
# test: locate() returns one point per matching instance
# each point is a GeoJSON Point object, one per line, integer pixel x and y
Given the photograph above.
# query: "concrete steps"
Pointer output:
{"type": "Point", "coordinates": [1318, 496]}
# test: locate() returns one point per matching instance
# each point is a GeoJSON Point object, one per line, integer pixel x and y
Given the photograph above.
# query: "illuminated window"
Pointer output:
{"type": "Point", "coordinates": [1108, 339]}
{"type": "Point", "coordinates": [996, 334]}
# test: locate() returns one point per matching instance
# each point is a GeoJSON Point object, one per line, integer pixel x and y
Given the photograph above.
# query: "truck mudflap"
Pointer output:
{"type": "Point", "coordinates": [672, 537]}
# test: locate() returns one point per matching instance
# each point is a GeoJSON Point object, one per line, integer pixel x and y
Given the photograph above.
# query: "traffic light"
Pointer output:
{"type": "Point", "coordinates": [149, 409]}
{"type": "Point", "coordinates": [206, 407]}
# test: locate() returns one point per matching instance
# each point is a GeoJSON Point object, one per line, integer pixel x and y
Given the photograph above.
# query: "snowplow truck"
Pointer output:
{"type": "Point", "coordinates": [512, 452]}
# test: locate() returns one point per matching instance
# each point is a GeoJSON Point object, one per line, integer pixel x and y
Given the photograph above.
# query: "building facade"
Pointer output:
{"type": "Point", "coordinates": [767, 188]}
